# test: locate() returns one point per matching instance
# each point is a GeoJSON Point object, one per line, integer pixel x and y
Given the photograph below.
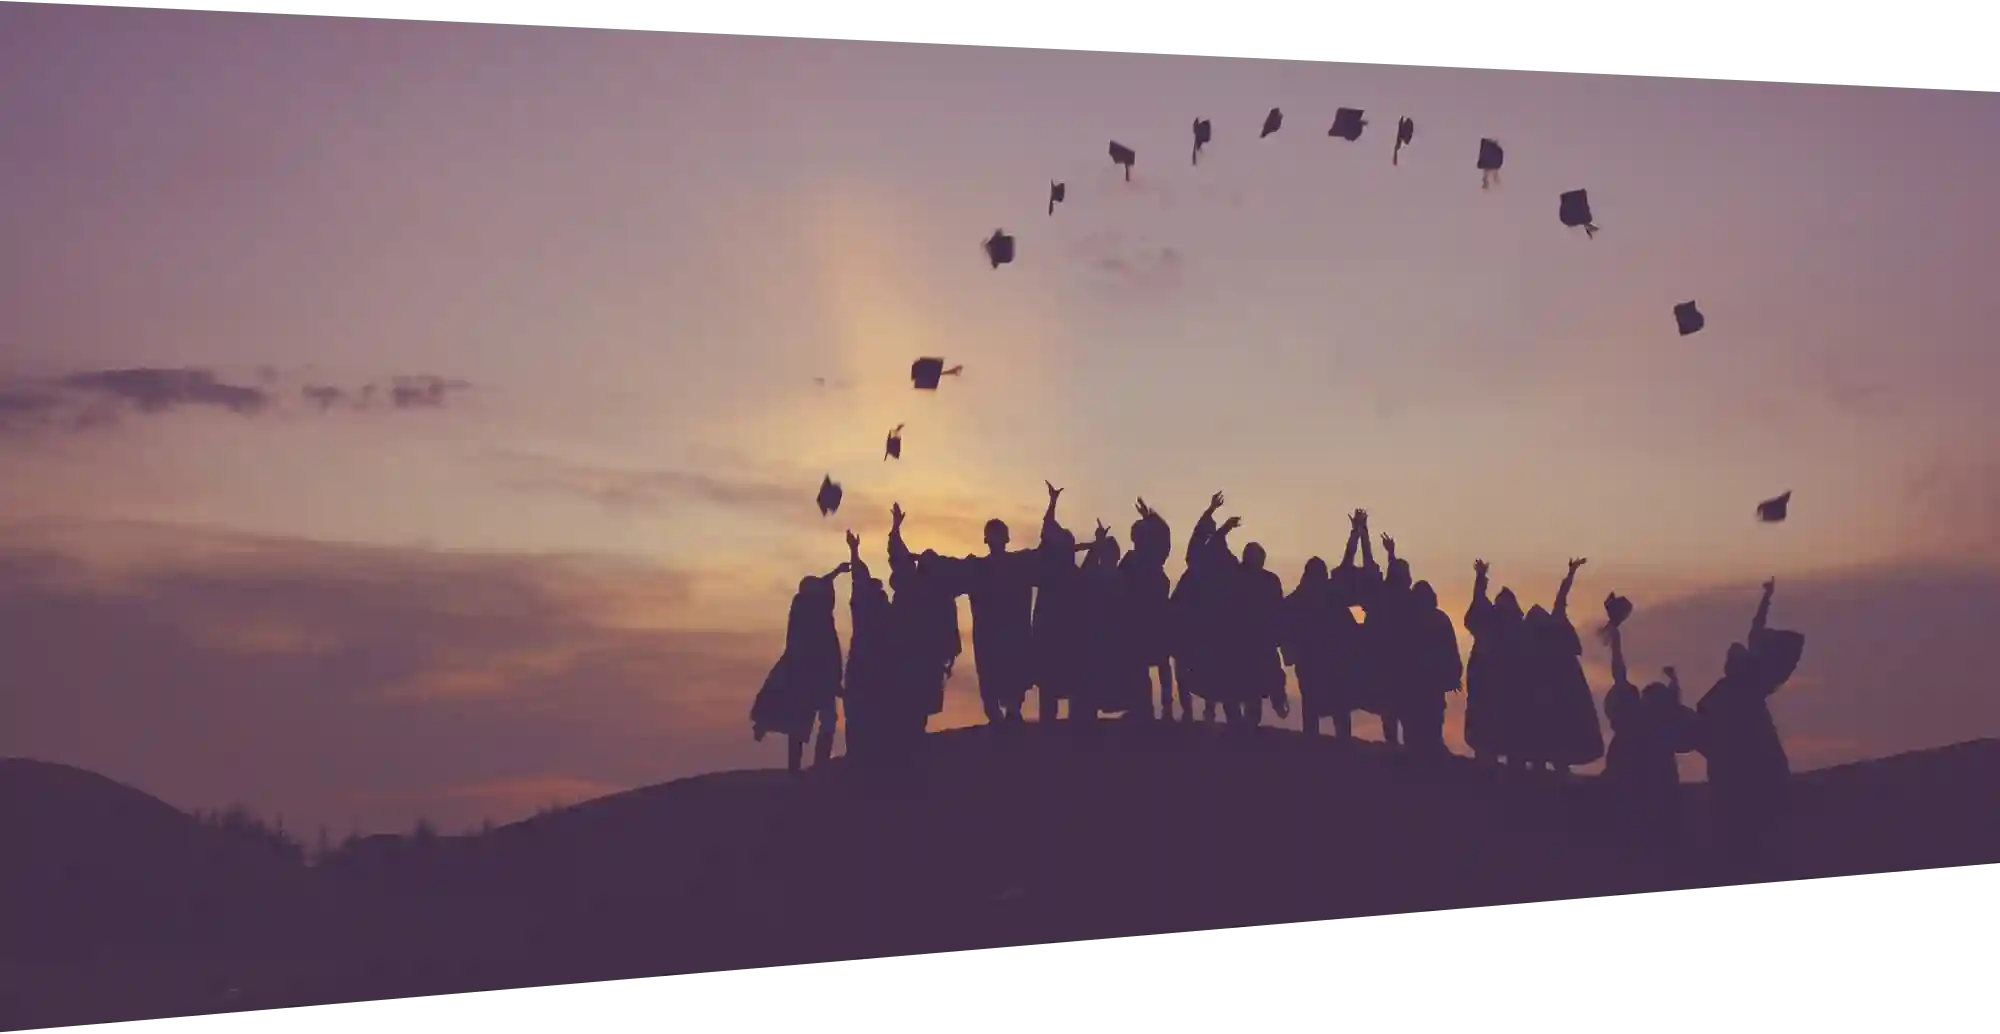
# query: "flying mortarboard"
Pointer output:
{"type": "Point", "coordinates": [829, 496]}
{"type": "Point", "coordinates": [1348, 124]}
{"type": "Point", "coordinates": [1771, 511]}
{"type": "Point", "coordinates": [924, 373]}
{"type": "Point", "coordinates": [1575, 212]}
{"type": "Point", "coordinates": [1616, 609]}
{"type": "Point", "coordinates": [1201, 137]}
{"type": "Point", "coordinates": [1406, 131]}
{"type": "Point", "coordinates": [1689, 318]}
{"type": "Point", "coordinates": [1271, 123]}
{"type": "Point", "coordinates": [1491, 157]}
{"type": "Point", "coordinates": [895, 446]}
{"type": "Point", "coordinates": [1123, 155]}
{"type": "Point", "coordinates": [1056, 192]}
{"type": "Point", "coordinates": [999, 249]}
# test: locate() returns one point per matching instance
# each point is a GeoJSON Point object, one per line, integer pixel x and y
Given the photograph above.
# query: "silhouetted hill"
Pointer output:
{"type": "Point", "coordinates": [117, 905]}
{"type": "Point", "coordinates": [89, 861]}
{"type": "Point", "coordinates": [1000, 842]}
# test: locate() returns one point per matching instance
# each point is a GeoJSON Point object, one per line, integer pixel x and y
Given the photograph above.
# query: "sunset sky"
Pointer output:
{"type": "Point", "coordinates": [612, 265]}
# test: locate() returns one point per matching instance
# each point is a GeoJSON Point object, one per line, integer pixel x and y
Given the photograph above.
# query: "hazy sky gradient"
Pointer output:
{"type": "Point", "coordinates": [641, 249]}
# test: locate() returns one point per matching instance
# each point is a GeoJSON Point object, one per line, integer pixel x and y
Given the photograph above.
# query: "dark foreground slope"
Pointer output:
{"type": "Point", "coordinates": [1033, 839]}
{"type": "Point", "coordinates": [115, 905]}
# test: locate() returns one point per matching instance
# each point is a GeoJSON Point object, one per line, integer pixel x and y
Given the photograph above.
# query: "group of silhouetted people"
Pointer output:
{"type": "Point", "coordinates": [1091, 629]}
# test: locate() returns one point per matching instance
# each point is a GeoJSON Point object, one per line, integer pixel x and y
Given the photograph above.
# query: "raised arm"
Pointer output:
{"type": "Point", "coordinates": [1389, 547]}
{"type": "Point", "coordinates": [1049, 515]}
{"type": "Point", "coordinates": [1763, 607]}
{"type": "Point", "coordinates": [1354, 537]}
{"type": "Point", "coordinates": [1203, 528]}
{"type": "Point", "coordinates": [900, 558]}
{"type": "Point", "coordinates": [1475, 613]}
{"type": "Point", "coordinates": [1222, 533]}
{"type": "Point", "coordinates": [1367, 547]}
{"type": "Point", "coordinates": [1619, 674]}
{"type": "Point", "coordinates": [855, 564]}
{"type": "Point", "coordinates": [1561, 609]}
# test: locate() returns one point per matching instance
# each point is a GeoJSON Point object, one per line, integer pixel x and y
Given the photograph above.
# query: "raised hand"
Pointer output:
{"type": "Point", "coordinates": [1480, 567]}
{"type": "Point", "coordinates": [1102, 531]}
{"type": "Point", "coordinates": [1388, 543]}
{"type": "Point", "coordinates": [843, 568]}
{"type": "Point", "coordinates": [1360, 519]}
{"type": "Point", "coordinates": [1053, 491]}
{"type": "Point", "coordinates": [1231, 525]}
{"type": "Point", "coordinates": [853, 542]}
{"type": "Point", "coordinates": [896, 514]}
{"type": "Point", "coordinates": [1770, 586]}
{"type": "Point", "coordinates": [1576, 563]}
{"type": "Point", "coordinates": [1215, 502]}
{"type": "Point", "coordinates": [1144, 510]}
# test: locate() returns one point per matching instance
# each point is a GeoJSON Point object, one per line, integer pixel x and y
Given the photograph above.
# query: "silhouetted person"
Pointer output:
{"type": "Point", "coordinates": [1492, 675]}
{"type": "Point", "coordinates": [1261, 627]}
{"type": "Point", "coordinates": [1649, 729]}
{"type": "Point", "coordinates": [1747, 767]}
{"type": "Point", "coordinates": [1344, 679]}
{"type": "Point", "coordinates": [1233, 687]}
{"type": "Point", "coordinates": [1562, 727]}
{"type": "Point", "coordinates": [1623, 713]}
{"type": "Point", "coordinates": [874, 691]}
{"type": "Point", "coordinates": [1001, 585]}
{"type": "Point", "coordinates": [1197, 605]}
{"type": "Point", "coordinates": [1672, 729]}
{"type": "Point", "coordinates": [803, 688]}
{"type": "Point", "coordinates": [1384, 656]}
{"type": "Point", "coordinates": [1308, 638]}
{"type": "Point", "coordinates": [1396, 652]}
{"type": "Point", "coordinates": [1145, 570]}
{"type": "Point", "coordinates": [1435, 669]}
{"type": "Point", "coordinates": [1058, 617]}
{"type": "Point", "coordinates": [1117, 682]}
{"type": "Point", "coordinates": [927, 614]}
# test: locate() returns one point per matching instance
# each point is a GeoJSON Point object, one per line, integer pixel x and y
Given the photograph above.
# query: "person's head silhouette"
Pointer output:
{"type": "Point", "coordinates": [1253, 557]}
{"type": "Point", "coordinates": [996, 535]}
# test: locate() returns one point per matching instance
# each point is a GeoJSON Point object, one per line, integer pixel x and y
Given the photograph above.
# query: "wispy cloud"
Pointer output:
{"type": "Point", "coordinates": [96, 399]}
{"type": "Point", "coordinates": [1130, 262]}
{"type": "Point", "coordinates": [419, 392]}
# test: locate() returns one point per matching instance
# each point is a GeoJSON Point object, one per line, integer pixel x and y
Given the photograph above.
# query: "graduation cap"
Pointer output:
{"type": "Point", "coordinates": [1123, 155]}
{"type": "Point", "coordinates": [1271, 123]}
{"type": "Point", "coordinates": [829, 496]}
{"type": "Point", "coordinates": [895, 446]}
{"type": "Point", "coordinates": [1201, 136]}
{"type": "Point", "coordinates": [1056, 192]}
{"type": "Point", "coordinates": [1347, 124]}
{"type": "Point", "coordinates": [1575, 212]}
{"type": "Point", "coordinates": [1616, 609]}
{"type": "Point", "coordinates": [1689, 318]}
{"type": "Point", "coordinates": [1771, 511]}
{"type": "Point", "coordinates": [1491, 157]}
{"type": "Point", "coordinates": [999, 249]}
{"type": "Point", "coordinates": [1406, 131]}
{"type": "Point", "coordinates": [924, 373]}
